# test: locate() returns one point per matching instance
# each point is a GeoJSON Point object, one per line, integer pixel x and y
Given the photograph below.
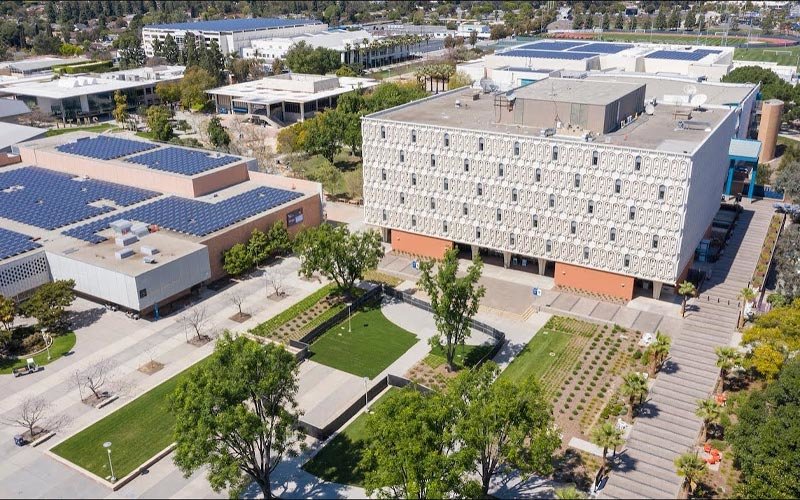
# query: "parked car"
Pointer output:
{"type": "Point", "coordinates": [30, 367]}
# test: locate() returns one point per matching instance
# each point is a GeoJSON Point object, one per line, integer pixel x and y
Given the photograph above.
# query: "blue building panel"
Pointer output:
{"type": "Point", "coordinates": [260, 23]}
{"type": "Point", "coordinates": [192, 217]}
{"type": "Point", "coordinates": [548, 45]}
{"type": "Point", "coordinates": [49, 200]}
{"type": "Point", "coordinates": [679, 55]}
{"type": "Point", "coordinates": [13, 243]}
{"type": "Point", "coordinates": [602, 48]}
{"type": "Point", "coordinates": [181, 161]}
{"type": "Point", "coordinates": [105, 148]}
{"type": "Point", "coordinates": [548, 54]}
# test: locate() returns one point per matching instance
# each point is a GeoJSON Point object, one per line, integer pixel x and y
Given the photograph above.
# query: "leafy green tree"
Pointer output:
{"type": "Point", "coordinates": [212, 60]}
{"type": "Point", "coordinates": [278, 66]}
{"type": "Point", "coordinates": [709, 411]}
{"type": "Point", "coordinates": [191, 55]}
{"type": "Point", "coordinates": [661, 19]}
{"type": "Point", "coordinates": [674, 21]}
{"type": "Point", "coordinates": [768, 23]}
{"type": "Point", "coordinates": [686, 289]}
{"type": "Point", "coordinates": [346, 70]}
{"type": "Point", "coordinates": [169, 92]}
{"type": "Point", "coordinates": [194, 84]}
{"type": "Point", "coordinates": [459, 79]}
{"type": "Point", "coordinates": [388, 95]}
{"type": "Point", "coordinates": [338, 254]}
{"type": "Point", "coordinates": [302, 58]}
{"type": "Point", "coordinates": [788, 180]}
{"type": "Point", "coordinates": [170, 51]}
{"type": "Point", "coordinates": [409, 447]}
{"type": "Point", "coordinates": [259, 247]}
{"type": "Point", "coordinates": [237, 414]}
{"type": "Point", "coordinates": [619, 21]}
{"type": "Point", "coordinates": [323, 134]}
{"type": "Point", "coordinates": [279, 240]}
{"type": "Point", "coordinates": [454, 300]}
{"type": "Point", "coordinates": [8, 312]}
{"type": "Point", "coordinates": [773, 338]}
{"type": "Point", "coordinates": [634, 386]}
{"type": "Point", "coordinates": [217, 134]}
{"type": "Point", "coordinates": [49, 303]}
{"type": "Point", "coordinates": [728, 358]}
{"type": "Point", "coordinates": [690, 22]}
{"type": "Point", "coordinates": [46, 43]}
{"type": "Point", "coordinates": [158, 118]}
{"type": "Point", "coordinates": [772, 86]}
{"type": "Point", "coordinates": [130, 51]}
{"type": "Point", "coordinates": [473, 38]}
{"type": "Point", "coordinates": [503, 425]}
{"type": "Point", "coordinates": [291, 139]}
{"type": "Point", "coordinates": [120, 107]}
{"type": "Point", "coordinates": [237, 260]}
{"type": "Point", "coordinates": [607, 436]}
{"type": "Point", "coordinates": [691, 468]}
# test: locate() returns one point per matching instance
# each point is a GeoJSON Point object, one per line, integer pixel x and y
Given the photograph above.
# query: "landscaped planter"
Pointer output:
{"type": "Point", "coordinates": [767, 251]}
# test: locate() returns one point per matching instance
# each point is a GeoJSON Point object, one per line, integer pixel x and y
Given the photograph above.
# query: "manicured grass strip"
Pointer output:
{"type": "Point", "coordinates": [61, 345]}
{"type": "Point", "coordinates": [534, 360]}
{"type": "Point", "coordinates": [137, 431]}
{"type": "Point", "coordinates": [272, 324]}
{"type": "Point", "coordinates": [466, 356]}
{"type": "Point", "coordinates": [373, 345]}
{"type": "Point", "coordinates": [93, 128]}
{"type": "Point", "coordinates": [338, 460]}
{"type": "Point", "coordinates": [781, 55]}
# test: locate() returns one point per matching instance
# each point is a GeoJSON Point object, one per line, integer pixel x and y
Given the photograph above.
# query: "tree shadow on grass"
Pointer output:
{"type": "Point", "coordinates": [338, 461]}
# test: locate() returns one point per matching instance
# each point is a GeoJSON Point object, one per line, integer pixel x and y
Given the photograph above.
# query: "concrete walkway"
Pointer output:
{"type": "Point", "coordinates": [667, 426]}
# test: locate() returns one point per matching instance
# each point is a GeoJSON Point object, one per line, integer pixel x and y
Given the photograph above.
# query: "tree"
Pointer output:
{"type": "Point", "coordinates": [8, 312]}
{"type": "Point", "coordinates": [709, 411]}
{"type": "Point", "coordinates": [169, 92]}
{"type": "Point", "coordinates": [773, 338]}
{"type": "Point", "coordinates": [275, 280]}
{"type": "Point", "coordinates": [690, 22]}
{"type": "Point", "coordinates": [196, 319]}
{"type": "Point", "coordinates": [768, 23]}
{"type": "Point", "coordinates": [409, 445]}
{"type": "Point", "coordinates": [772, 86]}
{"type": "Point", "coordinates": [259, 248]}
{"type": "Point", "coordinates": [346, 70]}
{"type": "Point", "coordinates": [46, 43]}
{"type": "Point", "coordinates": [279, 239]}
{"type": "Point", "coordinates": [34, 415]}
{"type": "Point", "coordinates": [121, 107]}
{"type": "Point", "coordinates": [503, 425]}
{"type": "Point", "coordinates": [473, 38]}
{"type": "Point", "coordinates": [130, 51]}
{"type": "Point", "coordinates": [686, 289]}
{"type": "Point", "coordinates": [191, 56]}
{"type": "Point", "coordinates": [195, 82]}
{"type": "Point", "coordinates": [658, 351]}
{"type": "Point", "coordinates": [94, 377]}
{"type": "Point", "coordinates": [458, 80]}
{"type": "Point", "coordinates": [323, 134]}
{"type": "Point", "coordinates": [788, 180]}
{"type": "Point", "coordinates": [302, 58]}
{"type": "Point", "coordinates": [498, 32]}
{"type": "Point", "coordinates": [49, 302]}
{"type": "Point", "coordinates": [237, 414]}
{"type": "Point", "coordinates": [291, 139]}
{"type": "Point", "coordinates": [728, 358]}
{"type": "Point", "coordinates": [454, 300]}
{"type": "Point", "coordinates": [237, 260]}
{"type": "Point", "coordinates": [634, 386]}
{"type": "Point", "coordinates": [606, 436]}
{"type": "Point", "coordinates": [338, 254]}
{"type": "Point", "coordinates": [661, 19]}
{"type": "Point", "coordinates": [278, 66]}
{"type": "Point", "coordinates": [787, 256]}
{"type": "Point", "coordinates": [691, 468]}
{"type": "Point", "coordinates": [674, 21]}
{"type": "Point", "coordinates": [237, 300]}
{"type": "Point", "coordinates": [569, 493]}
{"type": "Point", "coordinates": [244, 69]}
{"type": "Point", "coordinates": [158, 121]}
{"type": "Point", "coordinates": [619, 21]}
{"type": "Point", "coordinates": [169, 50]}
{"type": "Point", "coordinates": [217, 134]}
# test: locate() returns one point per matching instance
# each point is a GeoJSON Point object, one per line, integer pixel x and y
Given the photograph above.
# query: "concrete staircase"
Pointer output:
{"type": "Point", "coordinates": [667, 426]}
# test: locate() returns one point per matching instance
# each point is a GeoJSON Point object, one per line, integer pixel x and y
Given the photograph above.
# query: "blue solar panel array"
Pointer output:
{"type": "Point", "coordinates": [13, 243]}
{"type": "Point", "coordinates": [103, 147]}
{"type": "Point", "coordinates": [548, 54]}
{"type": "Point", "coordinates": [548, 45]}
{"type": "Point", "coordinates": [235, 24]}
{"type": "Point", "coordinates": [695, 55]}
{"type": "Point", "coordinates": [194, 217]}
{"type": "Point", "coordinates": [50, 200]}
{"type": "Point", "coordinates": [602, 48]}
{"type": "Point", "coordinates": [181, 161]}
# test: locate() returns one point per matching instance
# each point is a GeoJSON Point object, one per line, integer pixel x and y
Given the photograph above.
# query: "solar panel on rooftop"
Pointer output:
{"type": "Point", "coordinates": [548, 54]}
{"type": "Point", "coordinates": [105, 148]}
{"type": "Point", "coordinates": [681, 55]}
{"type": "Point", "coordinates": [602, 48]}
{"type": "Point", "coordinates": [13, 243]}
{"type": "Point", "coordinates": [181, 161]}
{"type": "Point", "coordinates": [548, 45]}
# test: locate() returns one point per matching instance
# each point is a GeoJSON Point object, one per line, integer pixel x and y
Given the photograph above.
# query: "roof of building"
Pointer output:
{"type": "Point", "coordinates": [259, 23]}
{"type": "Point", "coordinates": [42, 63]}
{"type": "Point", "coordinates": [292, 87]}
{"type": "Point", "coordinates": [13, 107]}
{"type": "Point", "coordinates": [11, 134]}
{"type": "Point", "coordinates": [74, 86]}
{"type": "Point", "coordinates": [744, 149]}
{"type": "Point", "coordinates": [332, 39]}
{"type": "Point", "coordinates": [576, 91]}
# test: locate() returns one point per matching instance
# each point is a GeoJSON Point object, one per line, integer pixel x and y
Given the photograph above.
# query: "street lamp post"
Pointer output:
{"type": "Point", "coordinates": [46, 344]}
{"type": "Point", "coordinates": [107, 446]}
{"type": "Point", "coordinates": [366, 394]}
{"type": "Point", "coordinates": [349, 323]}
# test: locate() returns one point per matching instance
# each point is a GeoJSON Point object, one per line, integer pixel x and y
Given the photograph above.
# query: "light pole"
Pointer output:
{"type": "Point", "coordinates": [349, 323]}
{"type": "Point", "coordinates": [366, 395]}
{"type": "Point", "coordinates": [107, 446]}
{"type": "Point", "coordinates": [47, 345]}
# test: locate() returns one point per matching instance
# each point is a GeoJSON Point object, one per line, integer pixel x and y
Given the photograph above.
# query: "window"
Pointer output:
{"type": "Point", "coordinates": [444, 226]}
{"type": "Point", "coordinates": [500, 170]}
{"type": "Point", "coordinates": [499, 215]}
{"type": "Point", "coordinates": [632, 213]}
{"type": "Point", "coordinates": [402, 198]}
{"type": "Point", "coordinates": [383, 174]}
{"type": "Point", "coordinates": [466, 164]}
{"type": "Point", "coordinates": [655, 241]}
{"type": "Point", "coordinates": [514, 195]}
{"type": "Point", "coordinates": [516, 148]}
{"type": "Point", "coordinates": [433, 204]}
{"type": "Point", "coordinates": [612, 235]}
{"type": "Point", "coordinates": [384, 215]}
{"type": "Point", "coordinates": [465, 209]}
{"type": "Point", "coordinates": [445, 184]}
{"type": "Point", "coordinates": [402, 156]}
{"type": "Point", "coordinates": [637, 163]}
{"type": "Point", "coordinates": [595, 158]}
{"type": "Point", "coordinates": [477, 233]}
{"type": "Point", "coordinates": [573, 227]}
{"type": "Point", "coordinates": [413, 220]}
{"type": "Point", "coordinates": [447, 140]}
{"type": "Point", "coordinates": [555, 153]}
{"type": "Point", "coordinates": [552, 201]}
{"type": "Point", "coordinates": [548, 246]}
{"type": "Point", "coordinates": [585, 253]}
{"type": "Point", "coordinates": [618, 186]}
{"type": "Point", "coordinates": [413, 179]}
{"type": "Point", "coordinates": [538, 175]}
{"type": "Point", "coordinates": [413, 136]}
{"type": "Point", "coordinates": [626, 260]}
{"type": "Point", "coordinates": [662, 191]}
{"type": "Point", "coordinates": [535, 221]}
{"type": "Point", "coordinates": [480, 144]}
{"type": "Point", "coordinates": [383, 132]}
{"type": "Point", "coordinates": [433, 160]}
{"type": "Point", "coordinates": [512, 240]}
{"type": "Point", "coordinates": [577, 180]}
{"type": "Point", "coordinates": [480, 189]}
{"type": "Point", "coordinates": [143, 293]}
{"type": "Point", "coordinates": [590, 207]}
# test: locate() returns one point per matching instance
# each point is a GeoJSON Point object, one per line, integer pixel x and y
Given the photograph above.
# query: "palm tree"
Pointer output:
{"type": "Point", "coordinates": [634, 386]}
{"type": "Point", "coordinates": [690, 467]}
{"type": "Point", "coordinates": [709, 411]}
{"type": "Point", "coordinates": [658, 351]}
{"type": "Point", "coordinates": [607, 436]}
{"type": "Point", "coordinates": [747, 295]}
{"type": "Point", "coordinates": [727, 359]}
{"type": "Point", "coordinates": [686, 289]}
{"type": "Point", "coordinates": [569, 493]}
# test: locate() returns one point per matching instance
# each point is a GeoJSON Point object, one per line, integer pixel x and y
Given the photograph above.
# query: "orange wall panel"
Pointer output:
{"type": "Point", "coordinates": [416, 244]}
{"type": "Point", "coordinates": [592, 280]}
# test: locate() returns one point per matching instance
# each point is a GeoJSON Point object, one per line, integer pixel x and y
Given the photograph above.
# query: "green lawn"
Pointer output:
{"type": "Point", "coordinates": [137, 431]}
{"type": "Point", "coordinates": [61, 345]}
{"type": "Point", "coordinates": [678, 38]}
{"type": "Point", "coordinates": [338, 460]}
{"type": "Point", "coordinates": [466, 355]}
{"type": "Point", "coordinates": [93, 128]}
{"type": "Point", "coordinates": [374, 344]}
{"type": "Point", "coordinates": [535, 359]}
{"type": "Point", "coordinates": [781, 55]}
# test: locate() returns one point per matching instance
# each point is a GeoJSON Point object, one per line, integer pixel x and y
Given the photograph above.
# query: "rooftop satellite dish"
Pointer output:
{"type": "Point", "coordinates": [698, 100]}
{"type": "Point", "coordinates": [649, 109]}
{"type": "Point", "coordinates": [690, 90]}
{"type": "Point", "coordinates": [511, 96]}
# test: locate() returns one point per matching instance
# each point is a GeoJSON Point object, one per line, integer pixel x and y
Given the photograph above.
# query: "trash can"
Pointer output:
{"type": "Point", "coordinates": [19, 440]}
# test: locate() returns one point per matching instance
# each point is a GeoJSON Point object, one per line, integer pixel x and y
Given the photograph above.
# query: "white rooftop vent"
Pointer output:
{"type": "Point", "coordinates": [149, 260]}
{"type": "Point", "coordinates": [148, 250]}
{"type": "Point", "coordinates": [125, 239]}
{"type": "Point", "coordinates": [649, 109]}
{"type": "Point", "coordinates": [123, 254]}
{"type": "Point", "coordinates": [121, 226]}
{"type": "Point", "coordinates": [140, 229]}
